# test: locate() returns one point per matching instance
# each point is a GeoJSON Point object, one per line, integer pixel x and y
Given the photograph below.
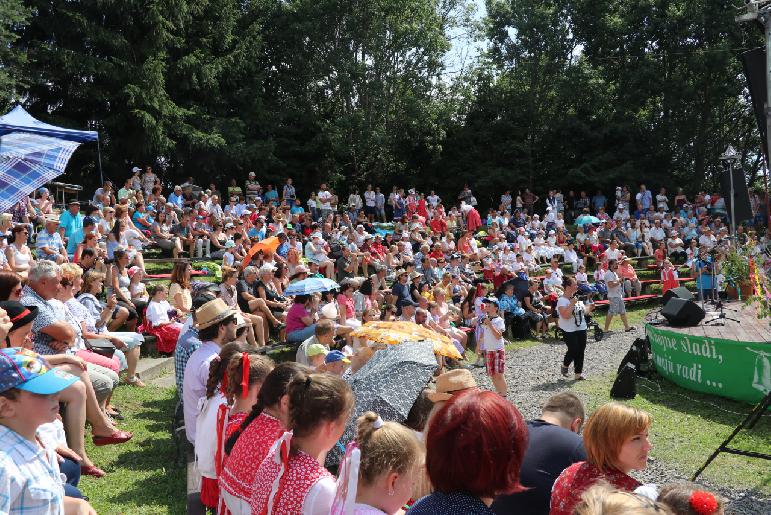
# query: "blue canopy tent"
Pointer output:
{"type": "Point", "coordinates": [33, 153]}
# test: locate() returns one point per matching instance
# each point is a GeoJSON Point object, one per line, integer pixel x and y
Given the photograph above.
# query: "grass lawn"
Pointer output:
{"type": "Point", "coordinates": [142, 475]}
{"type": "Point", "coordinates": [688, 426]}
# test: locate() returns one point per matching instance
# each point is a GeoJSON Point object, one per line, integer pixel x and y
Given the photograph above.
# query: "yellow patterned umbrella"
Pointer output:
{"type": "Point", "coordinates": [394, 333]}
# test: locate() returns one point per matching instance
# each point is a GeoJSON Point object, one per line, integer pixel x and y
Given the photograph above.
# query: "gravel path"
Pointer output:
{"type": "Point", "coordinates": [533, 375]}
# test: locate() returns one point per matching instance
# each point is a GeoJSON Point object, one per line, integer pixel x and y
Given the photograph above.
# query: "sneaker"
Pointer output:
{"type": "Point", "coordinates": [630, 330]}
{"type": "Point", "coordinates": [580, 377]}
{"type": "Point", "coordinates": [564, 371]}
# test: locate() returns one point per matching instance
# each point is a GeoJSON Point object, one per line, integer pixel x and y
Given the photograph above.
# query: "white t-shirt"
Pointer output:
{"type": "Point", "coordinates": [325, 199]}
{"type": "Point", "coordinates": [613, 291]}
{"type": "Point", "coordinates": [369, 198]}
{"type": "Point", "coordinates": [569, 325]}
{"type": "Point", "coordinates": [489, 341]}
{"type": "Point", "coordinates": [612, 254]}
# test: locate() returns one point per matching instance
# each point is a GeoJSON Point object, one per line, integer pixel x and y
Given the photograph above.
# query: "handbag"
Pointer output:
{"type": "Point", "coordinates": [101, 346]}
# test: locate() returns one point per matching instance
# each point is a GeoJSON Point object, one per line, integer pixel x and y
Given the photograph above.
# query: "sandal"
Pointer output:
{"type": "Point", "coordinates": [135, 381]}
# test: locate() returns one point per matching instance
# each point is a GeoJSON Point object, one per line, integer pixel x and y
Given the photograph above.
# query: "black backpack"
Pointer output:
{"type": "Point", "coordinates": [639, 356]}
{"type": "Point", "coordinates": [625, 385]}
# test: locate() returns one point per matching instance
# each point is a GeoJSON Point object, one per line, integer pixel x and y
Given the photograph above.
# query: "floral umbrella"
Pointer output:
{"type": "Point", "coordinates": [394, 333]}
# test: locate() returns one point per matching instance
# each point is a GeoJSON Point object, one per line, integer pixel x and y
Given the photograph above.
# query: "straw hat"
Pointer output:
{"type": "Point", "coordinates": [211, 313]}
{"type": "Point", "coordinates": [450, 383]}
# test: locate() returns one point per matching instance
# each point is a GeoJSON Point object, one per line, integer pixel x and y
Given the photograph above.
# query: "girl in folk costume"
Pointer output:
{"type": "Point", "coordinates": [161, 320]}
{"type": "Point", "coordinates": [212, 413]}
{"type": "Point", "coordinates": [379, 470]}
{"type": "Point", "coordinates": [669, 277]}
{"type": "Point", "coordinates": [245, 377]}
{"type": "Point", "coordinates": [292, 478]}
{"type": "Point", "coordinates": [248, 445]}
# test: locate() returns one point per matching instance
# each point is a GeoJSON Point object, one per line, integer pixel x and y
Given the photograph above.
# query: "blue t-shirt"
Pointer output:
{"type": "Point", "coordinates": [704, 281]}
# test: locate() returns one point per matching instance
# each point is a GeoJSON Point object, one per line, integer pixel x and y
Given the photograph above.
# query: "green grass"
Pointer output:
{"type": "Point", "coordinates": [142, 475]}
{"type": "Point", "coordinates": [689, 426]}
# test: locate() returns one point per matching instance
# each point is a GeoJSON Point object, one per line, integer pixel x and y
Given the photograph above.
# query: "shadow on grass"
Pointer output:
{"type": "Point", "coordinates": [658, 390]}
{"type": "Point", "coordinates": [154, 491]}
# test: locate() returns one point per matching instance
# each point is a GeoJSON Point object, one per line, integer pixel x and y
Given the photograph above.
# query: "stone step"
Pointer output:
{"type": "Point", "coordinates": [152, 368]}
{"type": "Point", "coordinates": [164, 381]}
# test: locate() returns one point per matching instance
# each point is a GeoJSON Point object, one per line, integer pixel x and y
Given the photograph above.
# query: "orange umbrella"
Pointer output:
{"type": "Point", "coordinates": [394, 333]}
{"type": "Point", "coordinates": [266, 245]}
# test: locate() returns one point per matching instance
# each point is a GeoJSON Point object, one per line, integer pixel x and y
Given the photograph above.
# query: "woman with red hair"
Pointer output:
{"type": "Point", "coordinates": [493, 438]}
{"type": "Point", "coordinates": [616, 442]}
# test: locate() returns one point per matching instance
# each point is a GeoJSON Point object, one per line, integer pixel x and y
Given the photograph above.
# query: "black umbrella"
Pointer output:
{"type": "Point", "coordinates": [388, 384]}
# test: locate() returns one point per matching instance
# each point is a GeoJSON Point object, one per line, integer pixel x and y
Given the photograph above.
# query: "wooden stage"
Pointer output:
{"type": "Point", "coordinates": [748, 329]}
{"type": "Point", "coordinates": [731, 360]}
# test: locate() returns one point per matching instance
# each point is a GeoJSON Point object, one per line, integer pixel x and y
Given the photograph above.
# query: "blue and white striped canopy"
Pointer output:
{"type": "Point", "coordinates": [27, 161]}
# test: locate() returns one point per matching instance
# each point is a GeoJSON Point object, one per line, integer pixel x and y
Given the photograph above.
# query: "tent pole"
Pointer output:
{"type": "Point", "coordinates": [99, 157]}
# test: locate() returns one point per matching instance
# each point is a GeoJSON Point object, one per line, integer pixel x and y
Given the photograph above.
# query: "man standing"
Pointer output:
{"type": "Point", "coordinates": [380, 215]}
{"type": "Point", "coordinates": [216, 325]}
{"type": "Point", "coordinates": [325, 201]}
{"type": "Point", "coordinates": [644, 201]}
{"type": "Point", "coordinates": [553, 445]}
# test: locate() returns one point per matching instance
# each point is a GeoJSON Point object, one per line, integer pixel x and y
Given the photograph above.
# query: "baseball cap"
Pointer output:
{"type": "Point", "coordinates": [490, 300]}
{"type": "Point", "coordinates": [26, 370]}
{"type": "Point", "coordinates": [315, 349]}
{"type": "Point", "coordinates": [136, 169]}
{"type": "Point", "coordinates": [336, 355]}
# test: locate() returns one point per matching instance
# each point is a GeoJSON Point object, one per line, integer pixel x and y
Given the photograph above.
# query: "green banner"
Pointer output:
{"type": "Point", "coordinates": [737, 370]}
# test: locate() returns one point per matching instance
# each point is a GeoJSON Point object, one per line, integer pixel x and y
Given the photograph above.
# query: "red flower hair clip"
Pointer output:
{"type": "Point", "coordinates": [703, 503]}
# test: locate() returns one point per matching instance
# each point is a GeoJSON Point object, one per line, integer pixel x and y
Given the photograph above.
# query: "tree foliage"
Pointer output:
{"type": "Point", "coordinates": [567, 93]}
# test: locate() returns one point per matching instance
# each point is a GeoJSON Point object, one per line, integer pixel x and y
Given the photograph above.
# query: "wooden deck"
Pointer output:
{"type": "Point", "coordinates": [748, 329]}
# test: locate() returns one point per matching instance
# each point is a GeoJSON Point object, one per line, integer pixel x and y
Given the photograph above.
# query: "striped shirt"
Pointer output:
{"type": "Point", "coordinates": [52, 241]}
{"type": "Point", "coordinates": [30, 482]}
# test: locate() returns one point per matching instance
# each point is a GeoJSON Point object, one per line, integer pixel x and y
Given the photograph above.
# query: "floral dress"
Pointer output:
{"type": "Point", "coordinates": [577, 479]}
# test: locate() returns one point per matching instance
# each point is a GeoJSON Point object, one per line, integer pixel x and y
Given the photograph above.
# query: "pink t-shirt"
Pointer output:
{"type": "Point", "coordinates": [347, 302]}
{"type": "Point", "coordinates": [294, 317]}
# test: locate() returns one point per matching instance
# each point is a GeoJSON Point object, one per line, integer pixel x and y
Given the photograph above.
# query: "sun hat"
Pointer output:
{"type": "Point", "coordinates": [211, 313]}
{"type": "Point", "coordinates": [414, 275]}
{"type": "Point", "coordinates": [335, 356]}
{"type": "Point", "coordinates": [26, 370]}
{"type": "Point", "coordinates": [315, 349]}
{"type": "Point", "coordinates": [329, 311]}
{"type": "Point", "coordinates": [400, 272]}
{"type": "Point", "coordinates": [51, 219]}
{"type": "Point", "coordinates": [19, 314]}
{"type": "Point", "coordinates": [450, 383]}
{"type": "Point", "coordinates": [230, 244]}
{"type": "Point", "coordinates": [301, 269]}
{"type": "Point", "coordinates": [267, 268]}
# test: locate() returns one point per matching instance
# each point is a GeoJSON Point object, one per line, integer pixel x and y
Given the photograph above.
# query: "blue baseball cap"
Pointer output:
{"type": "Point", "coordinates": [26, 370]}
{"type": "Point", "coordinates": [336, 355]}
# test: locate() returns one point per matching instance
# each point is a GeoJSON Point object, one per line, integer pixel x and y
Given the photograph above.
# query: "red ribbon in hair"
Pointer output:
{"type": "Point", "coordinates": [245, 368]}
{"type": "Point", "coordinates": [224, 384]}
{"type": "Point", "coordinates": [703, 502]}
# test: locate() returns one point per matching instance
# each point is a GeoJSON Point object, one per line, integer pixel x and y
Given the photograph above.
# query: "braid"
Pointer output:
{"type": "Point", "coordinates": [214, 376]}
{"type": "Point", "coordinates": [219, 365]}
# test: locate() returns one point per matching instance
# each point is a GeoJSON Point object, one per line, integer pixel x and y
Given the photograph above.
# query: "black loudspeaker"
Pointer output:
{"type": "Point", "coordinates": [680, 292]}
{"type": "Point", "coordinates": [754, 64]}
{"type": "Point", "coordinates": [682, 313]}
{"type": "Point", "coordinates": [741, 195]}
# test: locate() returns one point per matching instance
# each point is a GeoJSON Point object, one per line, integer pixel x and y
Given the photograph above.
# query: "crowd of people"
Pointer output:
{"type": "Point", "coordinates": [76, 306]}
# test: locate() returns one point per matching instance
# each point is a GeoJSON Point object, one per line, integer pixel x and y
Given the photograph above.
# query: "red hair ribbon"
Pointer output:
{"type": "Point", "coordinates": [224, 384]}
{"type": "Point", "coordinates": [703, 502]}
{"type": "Point", "coordinates": [245, 369]}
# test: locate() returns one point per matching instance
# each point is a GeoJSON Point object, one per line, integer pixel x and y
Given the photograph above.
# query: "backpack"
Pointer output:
{"type": "Point", "coordinates": [639, 356]}
{"type": "Point", "coordinates": [625, 385]}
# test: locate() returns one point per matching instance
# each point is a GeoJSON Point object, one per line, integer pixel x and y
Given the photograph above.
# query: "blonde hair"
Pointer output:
{"type": "Point", "coordinates": [89, 278]}
{"type": "Point", "coordinates": [388, 448]}
{"type": "Point", "coordinates": [70, 272]}
{"type": "Point", "coordinates": [5, 218]}
{"type": "Point", "coordinates": [603, 499]}
{"type": "Point", "coordinates": [607, 430]}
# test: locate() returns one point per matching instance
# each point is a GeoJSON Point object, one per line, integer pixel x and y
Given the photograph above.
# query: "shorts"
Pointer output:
{"type": "Point", "coordinates": [495, 362]}
{"type": "Point", "coordinates": [616, 306]}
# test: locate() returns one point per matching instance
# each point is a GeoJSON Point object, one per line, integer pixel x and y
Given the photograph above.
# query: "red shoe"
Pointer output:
{"type": "Point", "coordinates": [116, 437]}
{"type": "Point", "coordinates": [92, 470]}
